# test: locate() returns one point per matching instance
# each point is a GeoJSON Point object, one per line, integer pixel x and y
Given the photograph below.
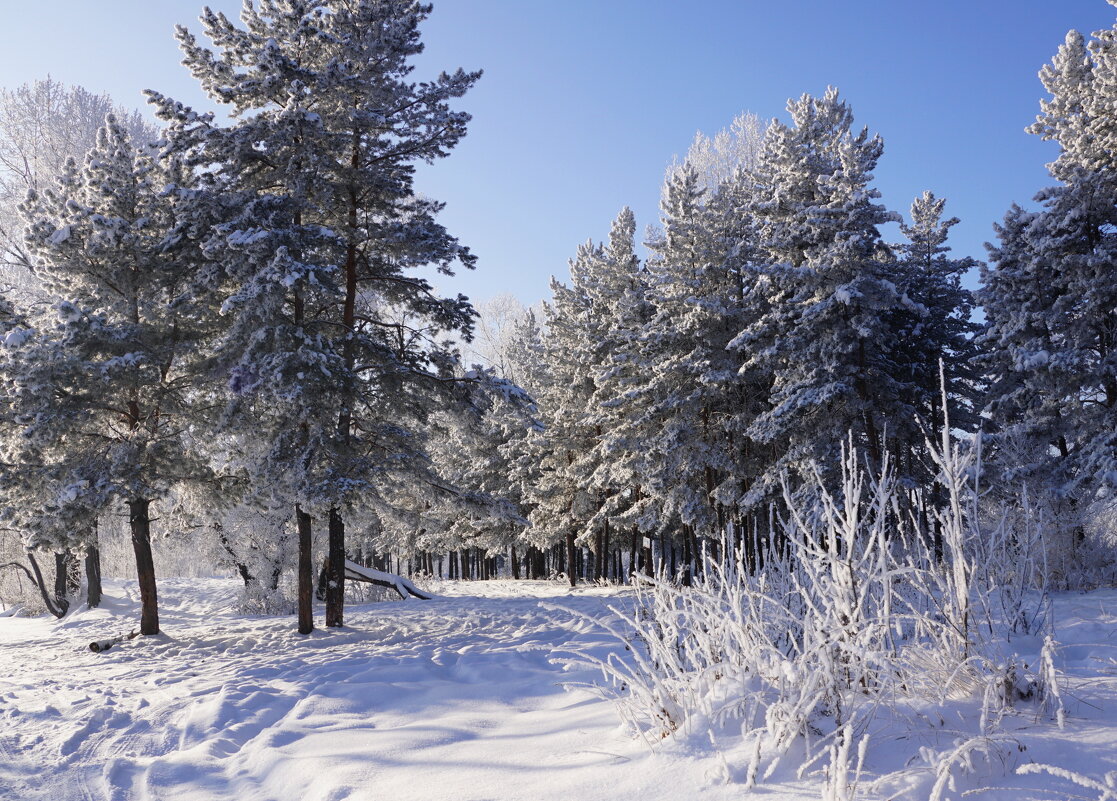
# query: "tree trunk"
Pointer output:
{"type": "Point", "coordinates": [93, 590]}
{"type": "Point", "coordinates": [335, 572]}
{"type": "Point", "coordinates": [605, 546]}
{"type": "Point", "coordinates": [61, 573]}
{"type": "Point", "coordinates": [515, 564]}
{"type": "Point", "coordinates": [242, 568]}
{"type": "Point", "coordinates": [571, 559]}
{"type": "Point", "coordinates": [140, 523]}
{"type": "Point", "coordinates": [687, 557]}
{"type": "Point", "coordinates": [306, 573]}
{"type": "Point", "coordinates": [37, 578]}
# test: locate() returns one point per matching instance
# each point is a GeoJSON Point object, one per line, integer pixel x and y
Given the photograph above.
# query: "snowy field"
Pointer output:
{"type": "Point", "coordinates": [455, 698]}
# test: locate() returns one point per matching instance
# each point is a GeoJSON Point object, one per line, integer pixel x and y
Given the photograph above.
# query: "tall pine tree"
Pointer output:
{"type": "Point", "coordinates": [329, 123]}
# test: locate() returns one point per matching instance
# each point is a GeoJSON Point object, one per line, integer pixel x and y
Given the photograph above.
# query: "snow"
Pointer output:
{"type": "Point", "coordinates": [460, 697]}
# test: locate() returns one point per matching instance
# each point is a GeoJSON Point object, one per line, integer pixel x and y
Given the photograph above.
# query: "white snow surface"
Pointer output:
{"type": "Point", "coordinates": [454, 698]}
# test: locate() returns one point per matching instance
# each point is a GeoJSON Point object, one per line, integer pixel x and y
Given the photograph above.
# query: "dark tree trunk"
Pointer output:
{"type": "Point", "coordinates": [245, 575]}
{"type": "Point", "coordinates": [335, 572]}
{"type": "Point", "coordinates": [61, 575]}
{"type": "Point", "coordinates": [324, 576]}
{"type": "Point", "coordinates": [571, 559]}
{"type": "Point", "coordinates": [686, 577]}
{"type": "Point", "coordinates": [515, 564]}
{"type": "Point", "coordinates": [140, 523]}
{"type": "Point", "coordinates": [306, 573]}
{"type": "Point", "coordinates": [73, 575]}
{"type": "Point", "coordinates": [604, 552]}
{"type": "Point", "coordinates": [93, 590]}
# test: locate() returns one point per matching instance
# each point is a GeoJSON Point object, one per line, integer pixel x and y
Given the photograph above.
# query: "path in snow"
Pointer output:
{"type": "Point", "coordinates": [454, 698]}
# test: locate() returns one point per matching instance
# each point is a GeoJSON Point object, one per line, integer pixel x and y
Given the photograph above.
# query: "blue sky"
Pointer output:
{"type": "Point", "coordinates": [584, 102]}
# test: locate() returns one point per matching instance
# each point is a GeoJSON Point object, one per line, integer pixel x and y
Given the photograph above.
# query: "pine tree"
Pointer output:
{"type": "Point", "coordinates": [102, 386]}
{"type": "Point", "coordinates": [563, 501]}
{"type": "Point", "coordinates": [42, 125]}
{"type": "Point", "coordinates": [695, 293]}
{"type": "Point", "coordinates": [830, 285]}
{"type": "Point", "coordinates": [1049, 294]}
{"type": "Point", "coordinates": [330, 328]}
{"type": "Point", "coordinates": [619, 292]}
{"type": "Point", "coordinates": [933, 328]}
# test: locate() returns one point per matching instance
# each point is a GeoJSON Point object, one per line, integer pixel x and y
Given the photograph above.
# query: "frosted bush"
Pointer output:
{"type": "Point", "coordinates": [855, 610]}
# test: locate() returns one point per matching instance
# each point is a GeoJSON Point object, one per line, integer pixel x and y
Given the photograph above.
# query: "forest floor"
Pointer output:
{"type": "Point", "coordinates": [456, 698]}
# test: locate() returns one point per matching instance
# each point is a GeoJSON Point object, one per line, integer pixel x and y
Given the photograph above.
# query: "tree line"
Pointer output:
{"type": "Point", "coordinates": [226, 318]}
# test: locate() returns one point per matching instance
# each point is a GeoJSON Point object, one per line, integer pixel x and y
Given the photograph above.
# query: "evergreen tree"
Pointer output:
{"type": "Point", "coordinates": [330, 328]}
{"type": "Point", "coordinates": [102, 386]}
{"type": "Point", "coordinates": [694, 291]}
{"type": "Point", "coordinates": [830, 286]}
{"type": "Point", "coordinates": [564, 449]}
{"type": "Point", "coordinates": [933, 328]}
{"type": "Point", "coordinates": [1049, 295]}
{"type": "Point", "coordinates": [620, 293]}
{"type": "Point", "coordinates": [42, 125]}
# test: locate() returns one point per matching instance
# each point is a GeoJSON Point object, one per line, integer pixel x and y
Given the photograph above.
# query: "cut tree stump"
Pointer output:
{"type": "Point", "coordinates": [356, 572]}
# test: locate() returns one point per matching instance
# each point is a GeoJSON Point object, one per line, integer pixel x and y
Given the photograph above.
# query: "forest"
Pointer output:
{"type": "Point", "coordinates": [829, 475]}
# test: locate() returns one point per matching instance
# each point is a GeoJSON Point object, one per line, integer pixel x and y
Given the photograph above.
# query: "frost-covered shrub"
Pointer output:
{"type": "Point", "coordinates": [857, 610]}
{"type": "Point", "coordinates": [261, 600]}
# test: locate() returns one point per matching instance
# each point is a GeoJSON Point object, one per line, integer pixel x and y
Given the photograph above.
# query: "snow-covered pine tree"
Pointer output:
{"type": "Point", "coordinates": [44, 506]}
{"type": "Point", "coordinates": [1049, 293]}
{"type": "Point", "coordinates": [526, 366]}
{"type": "Point", "coordinates": [830, 286]}
{"type": "Point", "coordinates": [933, 327]}
{"type": "Point", "coordinates": [473, 444]}
{"type": "Point", "coordinates": [524, 362]}
{"type": "Point", "coordinates": [42, 124]}
{"type": "Point", "coordinates": [328, 120]}
{"type": "Point", "coordinates": [105, 376]}
{"type": "Point", "coordinates": [562, 500]}
{"type": "Point", "coordinates": [620, 292]}
{"type": "Point", "coordinates": [1023, 402]}
{"type": "Point", "coordinates": [685, 398]}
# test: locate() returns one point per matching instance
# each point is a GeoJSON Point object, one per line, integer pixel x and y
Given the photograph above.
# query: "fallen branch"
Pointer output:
{"type": "Point", "coordinates": [356, 572]}
{"type": "Point", "coordinates": [97, 646]}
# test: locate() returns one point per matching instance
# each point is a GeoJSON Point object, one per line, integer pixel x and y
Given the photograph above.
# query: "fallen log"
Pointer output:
{"type": "Point", "coordinates": [356, 572]}
{"type": "Point", "coordinates": [97, 646]}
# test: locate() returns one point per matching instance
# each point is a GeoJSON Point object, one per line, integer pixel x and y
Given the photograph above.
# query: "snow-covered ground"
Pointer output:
{"type": "Point", "coordinates": [455, 698]}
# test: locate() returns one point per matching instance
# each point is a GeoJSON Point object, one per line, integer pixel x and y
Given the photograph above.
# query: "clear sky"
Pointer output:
{"type": "Point", "coordinates": [584, 102]}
